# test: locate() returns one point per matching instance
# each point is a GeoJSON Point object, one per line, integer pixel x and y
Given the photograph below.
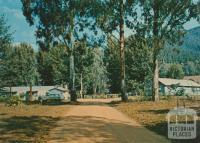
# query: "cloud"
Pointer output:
{"type": "Point", "coordinates": [12, 12]}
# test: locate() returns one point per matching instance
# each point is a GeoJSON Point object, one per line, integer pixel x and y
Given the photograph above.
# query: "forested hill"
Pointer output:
{"type": "Point", "coordinates": [188, 51]}
{"type": "Point", "coordinates": [187, 56]}
{"type": "Point", "coordinates": [192, 40]}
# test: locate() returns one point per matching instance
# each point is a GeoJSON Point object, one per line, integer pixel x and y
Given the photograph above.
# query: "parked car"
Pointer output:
{"type": "Point", "coordinates": [55, 94]}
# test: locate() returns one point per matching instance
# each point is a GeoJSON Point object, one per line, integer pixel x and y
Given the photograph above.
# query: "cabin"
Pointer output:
{"type": "Point", "coordinates": [37, 91]}
{"type": "Point", "coordinates": [169, 86]}
{"type": "Point", "coordinates": [24, 89]}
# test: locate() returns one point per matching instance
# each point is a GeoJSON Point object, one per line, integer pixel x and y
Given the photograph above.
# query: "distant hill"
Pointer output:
{"type": "Point", "coordinates": [188, 51]}
{"type": "Point", "coordinates": [187, 55]}
{"type": "Point", "coordinates": [192, 40]}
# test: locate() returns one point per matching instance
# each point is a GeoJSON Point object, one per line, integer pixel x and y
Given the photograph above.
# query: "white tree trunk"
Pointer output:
{"type": "Point", "coordinates": [155, 80]}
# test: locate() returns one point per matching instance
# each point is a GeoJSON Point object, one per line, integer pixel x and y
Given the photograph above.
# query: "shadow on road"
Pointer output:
{"type": "Point", "coordinates": [19, 129]}
{"type": "Point", "coordinates": [71, 129]}
{"type": "Point", "coordinates": [101, 130]}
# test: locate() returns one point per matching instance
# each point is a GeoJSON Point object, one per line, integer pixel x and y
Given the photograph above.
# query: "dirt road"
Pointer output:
{"type": "Point", "coordinates": [100, 124]}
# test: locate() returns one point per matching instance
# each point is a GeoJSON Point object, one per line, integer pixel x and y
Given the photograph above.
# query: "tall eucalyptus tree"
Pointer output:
{"type": "Point", "coordinates": [59, 21]}
{"type": "Point", "coordinates": [112, 17]}
{"type": "Point", "coordinates": [163, 22]}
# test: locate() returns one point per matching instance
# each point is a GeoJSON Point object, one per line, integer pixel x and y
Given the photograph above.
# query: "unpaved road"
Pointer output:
{"type": "Point", "coordinates": [100, 124]}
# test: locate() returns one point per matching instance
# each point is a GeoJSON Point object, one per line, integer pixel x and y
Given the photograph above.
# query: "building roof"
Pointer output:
{"type": "Point", "coordinates": [59, 88]}
{"type": "Point", "coordinates": [179, 82]}
{"type": "Point", "coordinates": [24, 89]}
{"type": "Point", "coordinates": [193, 78]}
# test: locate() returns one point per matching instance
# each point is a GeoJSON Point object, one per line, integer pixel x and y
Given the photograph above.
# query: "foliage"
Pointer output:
{"type": "Point", "coordinates": [8, 72]}
{"type": "Point", "coordinates": [143, 98]}
{"type": "Point", "coordinates": [83, 59]}
{"type": "Point", "coordinates": [13, 101]}
{"type": "Point", "coordinates": [62, 34]}
{"type": "Point", "coordinates": [138, 63]}
{"type": "Point", "coordinates": [5, 37]}
{"type": "Point", "coordinates": [188, 60]}
{"type": "Point", "coordinates": [176, 90]}
{"type": "Point", "coordinates": [53, 65]}
{"type": "Point", "coordinates": [108, 15]}
{"type": "Point", "coordinates": [112, 62]}
{"type": "Point", "coordinates": [44, 68]}
{"type": "Point", "coordinates": [3, 98]}
{"type": "Point", "coordinates": [19, 66]}
{"type": "Point", "coordinates": [187, 54]}
{"type": "Point", "coordinates": [25, 64]}
{"type": "Point", "coordinates": [175, 71]}
{"type": "Point", "coordinates": [59, 22]}
{"type": "Point", "coordinates": [59, 62]}
{"type": "Point", "coordinates": [180, 92]}
{"type": "Point", "coordinates": [191, 40]}
{"type": "Point", "coordinates": [192, 67]}
{"type": "Point", "coordinates": [96, 73]}
{"type": "Point", "coordinates": [162, 22]}
{"type": "Point", "coordinates": [5, 42]}
{"type": "Point", "coordinates": [89, 64]}
{"type": "Point", "coordinates": [111, 16]}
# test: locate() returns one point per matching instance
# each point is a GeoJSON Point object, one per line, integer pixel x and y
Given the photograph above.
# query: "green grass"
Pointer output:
{"type": "Point", "coordinates": [3, 99]}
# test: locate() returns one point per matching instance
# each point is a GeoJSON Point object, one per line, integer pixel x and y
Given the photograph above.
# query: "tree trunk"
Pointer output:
{"type": "Point", "coordinates": [72, 78]}
{"type": "Point", "coordinates": [81, 91]}
{"type": "Point", "coordinates": [94, 90]}
{"type": "Point", "coordinates": [122, 53]}
{"type": "Point", "coordinates": [156, 49]}
{"type": "Point", "coordinates": [30, 93]}
{"type": "Point", "coordinates": [155, 87]}
{"type": "Point", "coordinates": [10, 91]}
{"type": "Point", "coordinates": [72, 67]}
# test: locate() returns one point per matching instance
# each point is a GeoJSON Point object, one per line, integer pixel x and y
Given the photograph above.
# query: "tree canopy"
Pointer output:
{"type": "Point", "coordinates": [162, 22]}
{"type": "Point", "coordinates": [85, 44]}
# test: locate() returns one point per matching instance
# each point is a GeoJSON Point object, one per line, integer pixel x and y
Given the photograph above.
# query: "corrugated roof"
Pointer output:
{"type": "Point", "coordinates": [24, 89]}
{"type": "Point", "coordinates": [193, 78]}
{"type": "Point", "coordinates": [180, 82]}
{"type": "Point", "coordinates": [60, 88]}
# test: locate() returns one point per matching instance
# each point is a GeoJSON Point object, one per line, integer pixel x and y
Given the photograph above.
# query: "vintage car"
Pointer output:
{"type": "Point", "coordinates": [55, 94]}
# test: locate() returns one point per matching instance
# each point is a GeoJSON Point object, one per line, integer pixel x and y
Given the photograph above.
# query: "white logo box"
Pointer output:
{"type": "Point", "coordinates": [180, 130]}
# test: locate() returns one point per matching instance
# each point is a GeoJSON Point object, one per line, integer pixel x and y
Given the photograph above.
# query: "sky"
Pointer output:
{"type": "Point", "coordinates": [22, 31]}
{"type": "Point", "coordinates": [13, 13]}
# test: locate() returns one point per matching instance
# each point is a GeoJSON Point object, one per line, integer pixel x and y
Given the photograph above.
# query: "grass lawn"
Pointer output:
{"type": "Point", "coordinates": [29, 123]}
{"type": "Point", "coordinates": [153, 115]}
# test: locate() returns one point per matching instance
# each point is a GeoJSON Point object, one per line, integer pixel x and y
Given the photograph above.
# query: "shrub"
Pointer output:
{"type": "Point", "coordinates": [180, 92]}
{"type": "Point", "coordinates": [166, 97]}
{"type": "Point", "coordinates": [3, 98]}
{"type": "Point", "coordinates": [143, 98]}
{"type": "Point", "coordinates": [13, 101]}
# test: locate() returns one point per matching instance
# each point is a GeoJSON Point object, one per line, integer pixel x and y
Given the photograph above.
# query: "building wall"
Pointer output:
{"type": "Point", "coordinates": [187, 90]}
{"type": "Point", "coordinates": [67, 96]}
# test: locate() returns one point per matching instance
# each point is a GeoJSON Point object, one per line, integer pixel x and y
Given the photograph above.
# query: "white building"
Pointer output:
{"type": "Point", "coordinates": [37, 91]}
{"type": "Point", "coordinates": [175, 86]}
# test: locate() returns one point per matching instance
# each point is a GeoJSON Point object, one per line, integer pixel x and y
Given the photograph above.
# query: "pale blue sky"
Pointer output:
{"type": "Point", "coordinates": [22, 31]}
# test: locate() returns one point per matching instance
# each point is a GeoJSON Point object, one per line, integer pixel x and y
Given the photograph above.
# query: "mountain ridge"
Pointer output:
{"type": "Point", "coordinates": [191, 40]}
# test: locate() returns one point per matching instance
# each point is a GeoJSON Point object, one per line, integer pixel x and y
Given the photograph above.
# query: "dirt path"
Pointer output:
{"type": "Point", "coordinates": [100, 124]}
